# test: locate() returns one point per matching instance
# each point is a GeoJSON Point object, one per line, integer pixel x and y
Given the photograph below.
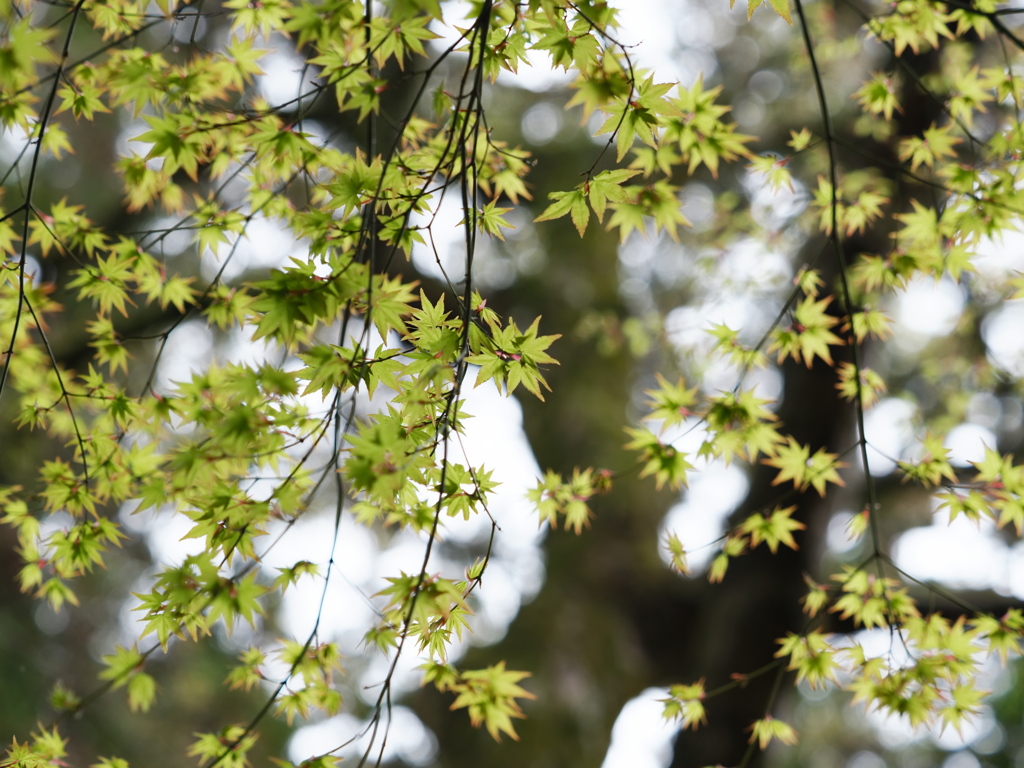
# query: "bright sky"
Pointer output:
{"type": "Point", "coordinates": [678, 39]}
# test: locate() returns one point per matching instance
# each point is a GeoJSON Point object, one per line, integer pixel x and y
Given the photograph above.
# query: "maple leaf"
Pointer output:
{"type": "Point", "coordinates": [810, 334]}
{"type": "Point", "coordinates": [773, 530]}
{"type": "Point", "coordinates": [796, 464]}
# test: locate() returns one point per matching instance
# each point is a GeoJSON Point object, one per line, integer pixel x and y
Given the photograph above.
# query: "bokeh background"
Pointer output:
{"type": "Point", "coordinates": [600, 619]}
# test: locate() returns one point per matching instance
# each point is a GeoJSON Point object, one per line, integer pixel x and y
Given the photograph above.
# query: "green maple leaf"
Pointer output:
{"type": "Point", "coordinates": [934, 466]}
{"type": "Point", "coordinates": [769, 729]}
{"type": "Point", "coordinates": [671, 403]}
{"type": "Point", "coordinates": [878, 95]}
{"type": "Point", "coordinates": [173, 138]}
{"type": "Point", "coordinates": [605, 186]}
{"type": "Point", "coordinates": [490, 219]}
{"type": "Point", "coordinates": [120, 665]}
{"type": "Point", "coordinates": [810, 335]}
{"type": "Point", "coordinates": [935, 144]}
{"type": "Point", "coordinates": [573, 203]}
{"type": "Point", "coordinates": [796, 464]}
{"type": "Point", "coordinates": [665, 462]}
{"type": "Point", "coordinates": [514, 357]}
{"type": "Point", "coordinates": [685, 705]}
{"type": "Point", "coordinates": [773, 530]}
{"type": "Point", "coordinates": [141, 692]}
{"type": "Point", "coordinates": [178, 291]}
{"type": "Point", "coordinates": [490, 696]}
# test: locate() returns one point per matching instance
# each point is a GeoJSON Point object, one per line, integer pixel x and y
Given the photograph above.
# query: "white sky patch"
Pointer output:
{"type": "Point", "coordinates": [499, 598]}
{"type": "Point", "coordinates": [60, 520]}
{"type": "Point", "coordinates": [404, 554]}
{"type": "Point", "coordinates": [698, 519]}
{"type": "Point", "coordinates": [961, 760]}
{"type": "Point", "coordinates": [761, 268]}
{"type": "Point", "coordinates": [1001, 331]}
{"type": "Point", "coordinates": [128, 142]}
{"type": "Point", "coordinates": [325, 736]}
{"type": "Point", "coordinates": [896, 732]}
{"type": "Point", "coordinates": [172, 243]}
{"type": "Point", "coordinates": [15, 146]}
{"type": "Point", "coordinates": [408, 739]}
{"type": "Point", "coordinates": [672, 38]}
{"type": "Point", "coordinates": [407, 676]}
{"type": "Point", "coordinates": [687, 326]}
{"type": "Point", "coordinates": [837, 536]}
{"type": "Point", "coordinates": [165, 535]}
{"type": "Point", "coordinates": [698, 203]}
{"type": "Point", "coordinates": [189, 26]}
{"type": "Point", "coordinates": [228, 264]}
{"type": "Point", "coordinates": [766, 383]}
{"type": "Point", "coordinates": [995, 262]}
{"type": "Point", "coordinates": [495, 439]}
{"type": "Point", "coordinates": [985, 409]}
{"type": "Point", "coordinates": [960, 554]}
{"type": "Point", "coordinates": [889, 429]}
{"type": "Point", "coordinates": [542, 122]}
{"type": "Point", "coordinates": [676, 42]}
{"type": "Point", "coordinates": [652, 40]}
{"type": "Point", "coordinates": [33, 270]}
{"type": "Point", "coordinates": [686, 437]}
{"type": "Point", "coordinates": [927, 308]}
{"type": "Point", "coordinates": [188, 352]}
{"type": "Point", "coordinates": [285, 76]}
{"type": "Point", "coordinates": [242, 349]}
{"type": "Point", "coordinates": [772, 208]}
{"type": "Point", "coordinates": [266, 244]}
{"type": "Point", "coordinates": [641, 737]}
{"type": "Point", "coordinates": [444, 252]}
{"type": "Point", "coordinates": [536, 75]}
{"type": "Point", "coordinates": [865, 759]}
{"type": "Point", "coordinates": [967, 442]}
{"type": "Point", "coordinates": [347, 605]}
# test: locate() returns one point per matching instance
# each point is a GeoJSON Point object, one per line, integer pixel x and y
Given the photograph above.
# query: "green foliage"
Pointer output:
{"type": "Point", "coordinates": [240, 450]}
{"type": "Point", "coordinates": [809, 336]}
{"type": "Point", "coordinates": [685, 704]}
{"type": "Point", "coordinates": [490, 697]}
{"type": "Point", "coordinates": [123, 667]}
{"type": "Point", "coordinates": [769, 729]}
{"type": "Point", "coordinates": [230, 745]}
{"type": "Point", "coordinates": [512, 357]}
{"type": "Point", "coordinates": [773, 530]}
{"type": "Point", "coordinates": [553, 497]}
{"type": "Point", "coordinates": [796, 464]}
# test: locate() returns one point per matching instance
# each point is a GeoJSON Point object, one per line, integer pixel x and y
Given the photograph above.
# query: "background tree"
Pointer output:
{"type": "Point", "coordinates": [329, 384]}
